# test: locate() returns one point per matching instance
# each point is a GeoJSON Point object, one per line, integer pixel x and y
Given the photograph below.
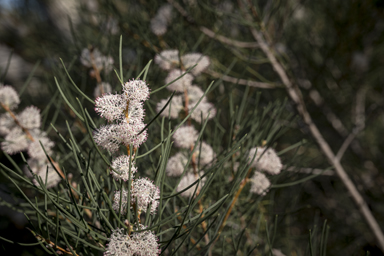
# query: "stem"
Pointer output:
{"type": "Point", "coordinates": [243, 183]}
{"type": "Point", "coordinates": [295, 94]}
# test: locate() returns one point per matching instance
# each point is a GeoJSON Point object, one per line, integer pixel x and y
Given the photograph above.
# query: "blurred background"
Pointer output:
{"type": "Point", "coordinates": [334, 50]}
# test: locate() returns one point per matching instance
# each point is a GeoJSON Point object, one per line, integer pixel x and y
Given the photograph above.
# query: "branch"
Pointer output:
{"type": "Point", "coordinates": [295, 94]}
{"type": "Point", "coordinates": [228, 41]}
{"type": "Point", "coordinates": [241, 81]}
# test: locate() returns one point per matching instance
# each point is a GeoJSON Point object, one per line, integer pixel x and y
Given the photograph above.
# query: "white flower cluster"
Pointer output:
{"type": "Point", "coordinates": [259, 184]}
{"type": "Point", "coordinates": [169, 60]}
{"type": "Point", "coordinates": [127, 113]}
{"type": "Point", "coordinates": [163, 18]}
{"type": "Point", "coordinates": [266, 160]}
{"type": "Point", "coordinates": [22, 133]}
{"type": "Point", "coordinates": [91, 58]}
{"type": "Point", "coordinates": [186, 136]}
{"type": "Point", "coordinates": [146, 193]}
{"type": "Point", "coordinates": [102, 88]}
{"type": "Point", "coordinates": [140, 243]}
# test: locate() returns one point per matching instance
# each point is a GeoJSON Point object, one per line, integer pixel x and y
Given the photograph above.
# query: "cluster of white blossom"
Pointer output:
{"type": "Point", "coordinates": [189, 95]}
{"type": "Point", "coordinates": [266, 160]}
{"type": "Point", "coordinates": [22, 133]}
{"type": "Point", "coordinates": [125, 113]}
{"type": "Point", "coordinates": [94, 59]}
{"type": "Point", "coordinates": [170, 60]}
{"type": "Point", "coordinates": [162, 19]}
{"type": "Point", "coordinates": [140, 243]}
{"type": "Point", "coordinates": [102, 88]}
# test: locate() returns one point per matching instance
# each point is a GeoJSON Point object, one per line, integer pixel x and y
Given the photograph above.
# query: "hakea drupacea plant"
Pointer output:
{"type": "Point", "coordinates": [189, 95]}
{"type": "Point", "coordinates": [125, 114]}
{"type": "Point", "coordinates": [22, 133]}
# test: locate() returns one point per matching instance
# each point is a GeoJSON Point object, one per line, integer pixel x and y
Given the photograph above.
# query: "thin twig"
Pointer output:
{"type": "Point", "coordinates": [295, 94]}
{"type": "Point", "coordinates": [228, 41]}
{"type": "Point", "coordinates": [242, 184]}
{"type": "Point", "coordinates": [50, 243]}
{"type": "Point", "coordinates": [241, 81]}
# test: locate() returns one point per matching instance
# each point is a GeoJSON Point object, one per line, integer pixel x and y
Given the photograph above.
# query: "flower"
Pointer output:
{"type": "Point", "coordinates": [176, 164]}
{"type": "Point", "coordinates": [15, 141]}
{"type": "Point", "coordinates": [266, 160]}
{"type": "Point", "coordinates": [111, 106]}
{"type": "Point", "coordinates": [204, 153]}
{"type": "Point", "coordinates": [158, 26]}
{"type": "Point", "coordinates": [176, 106]}
{"type": "Point", "coordinates": [195, 94]}
{"type": "Point", "coordinates": [181, 84]}
{"type": "Point", "coordinates": [144, 243]}
{"type": "Point", "coordinates": [6, 124]}
{"type": "Point", "coordinates": [141, 243]}
{"type": "Point", "coordinates": [94, 57]}
{"type": "Point", "coordinates": [121, 164]}
{"type": "Point", "coordinates": [202, 110]}
{"type": "Point", "coordinates": [129, 134]}
{"type": "Point", "coordinates": [30, 117]}
{"type": "Point", "coordinates": [108, 137]}
{"type": "Point", "coordinates": [160, 22]}
{"type": "Point", "coordinates": [146, 193]}
{"type": "Point", "coordinates": [185, 137]}
{"type": "Point", "coordinates": [136, 90]}
{"type": "Point", "coordinates": [259, 184]}
{"type": "Point", "coordinates": [35, 149]}
{"type": "Point", "coordinates": [118, 244]}
{"type": "Point", "coordinates": [167, 59]}
{"type": "Point", "coordinates": [9, 97]}
{"type": "Point", "coordinates": [186, 181]}
{"type": "Point", "coordinates": [190, 59]}
{"type": "Point", "coordinates": [124, 200]}
{"type": "Point", "coordinates": [39, 167]}
{"type": "Point", "coordinates": [111, 136]}
{"type": "Point", "coordinates": [101, 89]}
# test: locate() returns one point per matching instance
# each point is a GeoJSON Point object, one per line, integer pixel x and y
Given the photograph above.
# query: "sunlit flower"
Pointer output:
{"type": "Point", "coordinates": [121, 165]}
{"type": "Point", "coordinates": [124, 200]}
{"type": "Point", "coordinates": [111, 106]}
{"type": "Point", "coordinates": [144, 243]}
{"type": "Point", "coordinates": [141, 243]}
{"type": "Point", "coordinates": [136, 90]}
{"type": "Point", "coordinates": [146, 193]}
